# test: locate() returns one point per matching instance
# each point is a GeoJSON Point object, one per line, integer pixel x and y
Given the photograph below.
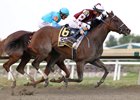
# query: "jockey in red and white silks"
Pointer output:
{"type": "Point", "coordinates": [82, 19]}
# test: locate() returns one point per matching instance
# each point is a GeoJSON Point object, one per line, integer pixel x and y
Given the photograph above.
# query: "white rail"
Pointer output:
{"type": "Point", "coordinates": [116, 62]}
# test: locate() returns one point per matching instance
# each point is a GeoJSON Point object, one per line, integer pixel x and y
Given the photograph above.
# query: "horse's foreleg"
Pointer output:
{"type": "Point", "coordinates": [80, 70]}
{"type": "Point", "coordinates": [55, 58]}
{"type": "Point", "coordinates": [100, 64]}
{"type": "Point", "coordinates": [63, 67]}
{"type": "Point", "coordinates": [12, 60]}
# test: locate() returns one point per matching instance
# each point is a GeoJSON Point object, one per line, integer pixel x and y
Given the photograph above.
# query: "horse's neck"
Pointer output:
{"type": "Point", "coordinates": [99, 34]}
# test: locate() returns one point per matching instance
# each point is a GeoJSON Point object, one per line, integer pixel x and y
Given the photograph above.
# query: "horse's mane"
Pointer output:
{"type": "Point", "coordinates": [96, 22]}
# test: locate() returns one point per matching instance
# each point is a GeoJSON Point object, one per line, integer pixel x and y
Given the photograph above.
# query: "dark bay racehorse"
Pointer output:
{"type": "Point", "coordinates": [16, 47]}
{"type": "Point", "coordinates": [46, 39]}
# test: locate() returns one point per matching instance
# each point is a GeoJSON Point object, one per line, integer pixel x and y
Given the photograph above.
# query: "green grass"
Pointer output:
{"type": "Point", "coordinates": [130, 79]}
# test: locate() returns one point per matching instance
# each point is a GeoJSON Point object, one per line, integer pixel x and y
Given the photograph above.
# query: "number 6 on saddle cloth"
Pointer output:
{"type": "Point", "coordinates": [68, 36]}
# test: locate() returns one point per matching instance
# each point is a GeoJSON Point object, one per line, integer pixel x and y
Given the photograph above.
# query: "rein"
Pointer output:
{"type": "Point", "coordinates": [109, 22]}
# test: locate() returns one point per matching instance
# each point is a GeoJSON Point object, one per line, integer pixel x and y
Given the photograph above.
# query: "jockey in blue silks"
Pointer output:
{"type": "Point", "coordinates": [53, 18]}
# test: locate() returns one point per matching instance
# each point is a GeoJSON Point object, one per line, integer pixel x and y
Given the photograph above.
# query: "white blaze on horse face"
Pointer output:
{"type": "Point", "coordinates": [42, 73]}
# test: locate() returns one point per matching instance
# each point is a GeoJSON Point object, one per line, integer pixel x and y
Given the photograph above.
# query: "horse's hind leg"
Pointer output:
{"type": "Point", "coordinates": [24, 60]}
{"type": "Point", "coordinates": [100, 64]}
{"type": "Point", "coordinates": [50, 63]}
{"type": "Point", "coordinates": [20, 68]}
{"type": "Point", "coordinates": [36, 63]}
{"type": "Point", "coordinates": [12, 59]}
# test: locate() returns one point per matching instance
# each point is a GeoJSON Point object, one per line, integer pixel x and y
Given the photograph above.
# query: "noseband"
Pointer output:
{"type": "Point", "coordinates": [120, 28]}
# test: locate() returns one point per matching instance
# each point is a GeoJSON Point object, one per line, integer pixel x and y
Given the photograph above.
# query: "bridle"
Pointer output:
{"type": "Point", "coordinates": [108, 24]}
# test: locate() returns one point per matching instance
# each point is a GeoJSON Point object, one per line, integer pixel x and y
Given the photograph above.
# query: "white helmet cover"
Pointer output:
{"type": "Point", "coordinates": [98, 7]}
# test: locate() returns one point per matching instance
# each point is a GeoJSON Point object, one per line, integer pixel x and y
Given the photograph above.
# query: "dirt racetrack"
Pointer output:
{"type": "Point", "coordinates": [71, 93]}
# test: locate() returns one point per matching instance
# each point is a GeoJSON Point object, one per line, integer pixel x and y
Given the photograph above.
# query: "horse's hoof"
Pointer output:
{"type": "Point", "coordinates": [30, 84]}
{"type": "Point", "coordinates": [32, 80]}
{"type": "Point", "coordinates": [27, 84]}
{"type": "Point", "coordinates": [65, 82]}
{"type": "Point", "coordinates": [46, 83]}
{"type": "Point", "coordinates": [53, 80]}
{"type": "Point", "coordinates": [13, 84]}
{"type": "Point", "coordinates": [34, 85]}
{"type": "Point", "coordinates": [98, 84]}
{"type": "Point", "coordinates": [12, 92]}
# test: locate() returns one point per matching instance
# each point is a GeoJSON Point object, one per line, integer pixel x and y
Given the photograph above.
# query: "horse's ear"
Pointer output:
{"type": "Point", "coordinates": [107, 13]}
{"type": "Point", "coordinates": [112, 13]}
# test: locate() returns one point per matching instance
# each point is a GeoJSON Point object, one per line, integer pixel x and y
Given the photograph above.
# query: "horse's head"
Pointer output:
{"type": "Point", "coordinates": [115, 24]}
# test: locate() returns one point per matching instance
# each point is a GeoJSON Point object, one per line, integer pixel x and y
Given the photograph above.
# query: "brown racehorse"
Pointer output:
{"type": "Point", "coordinates": [15, 52]}
{"type": "Point", "coordinates": [46, 39]}
{"type": "Point", "coordinates": [16, 47]}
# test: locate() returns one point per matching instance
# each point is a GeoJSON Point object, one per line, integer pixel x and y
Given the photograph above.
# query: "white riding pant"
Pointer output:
{"type": "Point", "coordinates": [43, 24]}
{"type": "Point", "coordinates": [77, 24]}
{"type": "Point", "coordinates": [73, 23]}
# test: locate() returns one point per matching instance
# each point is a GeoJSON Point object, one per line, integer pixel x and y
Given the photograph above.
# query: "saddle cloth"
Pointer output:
{"type": "Point", "coordinates": [66, 36]}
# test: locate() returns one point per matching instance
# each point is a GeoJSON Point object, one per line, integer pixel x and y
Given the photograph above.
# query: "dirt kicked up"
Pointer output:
{"type": "Point", "coordinates": [71, 93]}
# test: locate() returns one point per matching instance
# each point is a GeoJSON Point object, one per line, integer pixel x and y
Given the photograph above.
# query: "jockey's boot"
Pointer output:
{"type": "Point", "coordinates": [70, 41]}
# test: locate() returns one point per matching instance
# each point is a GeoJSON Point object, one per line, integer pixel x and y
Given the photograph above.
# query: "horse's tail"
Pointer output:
{"type": "Point", "coordinates": [19, 44]}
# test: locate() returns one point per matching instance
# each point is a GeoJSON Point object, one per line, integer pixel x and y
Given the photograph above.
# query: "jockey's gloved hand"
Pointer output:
{"type": "Point", "coordinates": [82, 31]}
{"type": "Point", "coordinates": [99, 17]}
{"type": "Point", "coordinates": [85, 28]}
{"type": "Point", "coordinates": [104, 13]}
{"type": "Point", "coordinates": [89, 23]}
